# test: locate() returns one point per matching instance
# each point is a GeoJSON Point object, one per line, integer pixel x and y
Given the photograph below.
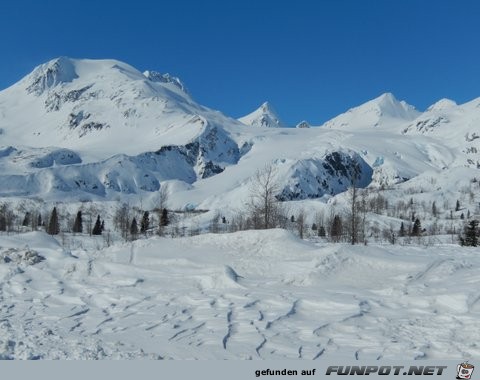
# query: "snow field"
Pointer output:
{"type": "Point", "coordinates": [247, 295]}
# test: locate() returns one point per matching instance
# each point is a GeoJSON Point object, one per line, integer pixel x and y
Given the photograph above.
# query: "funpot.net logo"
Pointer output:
{"type": "Point", "coordinates": [465, 370]}
{"type": "Point", "coordinates": [386, 370]}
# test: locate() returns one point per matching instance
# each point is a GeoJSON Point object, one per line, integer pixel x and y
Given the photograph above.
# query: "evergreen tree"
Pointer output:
{"type": "Point", "coordinates": [292, 219]}
{"type": "Point", "coordinates": [78, 224]}
{"type": "Point", "coordinates": [102, 227]}
{"type": "Point", "coordinates": [145, 223]}
{"type": "Point", "coordinates": [224, 220]}
{"type": "Point", "coordinates": [434, 209]}
{"type": "Point", "coordinates": [321, 231]}
{"type": "Point", "coordinates": [26, 219]}
{"type": "Point", "coordinates": [336, 229]}
{"type": "Point", "coordinates": [471, 234]}
{"type": "Point", "coordinates": [402, 233]}
{"type": "Point", "coordinates": [53, 225]}
{"type": "Point", "coordinates": [462, 216]}
{"type": "Point", "coordinates": [3, 223]}
{"type": "Point", "coordinates": [457, 206]}
{"type": "Point", "coordinates": [164, 218]}
{"type": "Point", "coordinates": [97, 229]}
{"type": "Point", "coordinates": [468, 214]}
{"type": "Point", "coordinates": [39, 220]}
{"type": "Point", "coordinates": [353, 204]}
{"type": "Point", "coordinates": [134, 228]}
{"type": "Point", "coordinates": [314, 227]}
{"type": "Point", "coordinates": [8, 217]}
{"type": "Point", "coordinates": [417, 228]}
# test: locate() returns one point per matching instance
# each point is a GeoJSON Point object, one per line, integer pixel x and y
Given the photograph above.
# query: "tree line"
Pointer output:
{"type": "Point", "coordinates": [264, 211]}
{"type": "Point", "coordinates": [352, 223]}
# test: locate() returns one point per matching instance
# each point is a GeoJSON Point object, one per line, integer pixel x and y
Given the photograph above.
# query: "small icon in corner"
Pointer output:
{"type": "Point", "coordinates": [465, 370]}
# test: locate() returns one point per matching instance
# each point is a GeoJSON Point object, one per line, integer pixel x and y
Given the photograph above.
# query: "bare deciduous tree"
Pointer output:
{"type": "Point", "coordinates": [121, 220]}
{"type": "Point", "coordinates": [162, 200]}
{"type": "Point", "coordinates": [215, 224]}
{"type": "Point", "coordinates": [301, 223]}
{"type": "Point", "coordinates": [90, 213]}
{"type": "Point", "coordinates": [265, 210]}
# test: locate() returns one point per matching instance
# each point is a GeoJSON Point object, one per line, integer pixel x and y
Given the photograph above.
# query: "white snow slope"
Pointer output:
{"type": "Point", "coordinates": [102, 130]}
{"type": "Point", "coordinates": [254, 294]}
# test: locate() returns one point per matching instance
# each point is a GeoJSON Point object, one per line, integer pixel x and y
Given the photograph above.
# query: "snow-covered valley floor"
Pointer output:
{"type": "Point", "coordinates": [252, 294]}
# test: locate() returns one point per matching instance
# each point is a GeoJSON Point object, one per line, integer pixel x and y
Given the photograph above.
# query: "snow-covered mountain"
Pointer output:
{"type": "Point", "coordinates": [456, 126]}
{"type": "Point", "coordinates": [263, 116]}
{"type": "Point", "coordinates": [383, 111]}
{"type": "Point", "coordinates": [101, 129]}
{"type": "Point", "coordinates": [303, 124]}
{"type": "Point", "coordinates": [99, 109]}
{"type": "Point", "coordinates": [103, 107]}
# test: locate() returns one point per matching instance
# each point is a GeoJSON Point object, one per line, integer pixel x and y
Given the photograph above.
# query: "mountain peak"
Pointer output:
{"type": "Point", "coordinates": [388, 105]}
{"type": "Point", "coordinates": [442, 105]}
{"type": "Point", "coordinates": [263, 116]}
{"type": "Point", "coordinates": [63, 70]}
{"type": "Point", "coordinates": [155, 76]}
{"type": "Point", "coordinates": [386, 96]}
{"type": "Point", "coordinates": [266, 107]}
{"type": "Point", "coordinates": [384, 109]}
{"type": "Point", "coordinates": [87, 103]}
{"type": "Point", "coordinates": [50, 74]}
{"type": "Point", "coordinates": [303, 124]}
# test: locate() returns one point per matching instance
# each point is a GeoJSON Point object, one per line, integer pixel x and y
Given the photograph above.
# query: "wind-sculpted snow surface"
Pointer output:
{"type": "Point", "coordinates": [255, 294]}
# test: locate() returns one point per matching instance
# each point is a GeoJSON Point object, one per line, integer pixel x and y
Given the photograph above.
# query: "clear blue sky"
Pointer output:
{"type": "Point", "coordinates": [310, 59]}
